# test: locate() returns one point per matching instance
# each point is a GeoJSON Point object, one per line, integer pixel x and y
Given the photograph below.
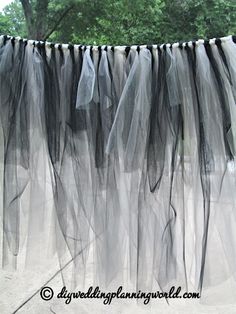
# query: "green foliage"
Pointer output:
{"type": "Point", "coordinates": [119, 22]}
{"type": "Point", "coordinates": [12, 20]}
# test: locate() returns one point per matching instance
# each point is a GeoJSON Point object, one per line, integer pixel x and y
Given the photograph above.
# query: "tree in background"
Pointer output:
{"type": "Point", "coordinates": [119, 22]}
{"type": "Point", "coordinates": [42, 17]}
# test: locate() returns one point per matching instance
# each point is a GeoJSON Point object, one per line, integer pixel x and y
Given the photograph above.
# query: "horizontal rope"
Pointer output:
{"type": "Point", "coordinates": [69, 46]}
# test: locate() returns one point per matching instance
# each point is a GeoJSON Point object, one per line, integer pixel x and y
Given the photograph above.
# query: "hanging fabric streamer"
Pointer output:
{"type": "Point", "coordinates": [120, 159]}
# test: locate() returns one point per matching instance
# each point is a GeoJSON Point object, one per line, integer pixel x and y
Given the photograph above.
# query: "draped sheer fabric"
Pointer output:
{"type": "Point", "coordinates": [120, 156]}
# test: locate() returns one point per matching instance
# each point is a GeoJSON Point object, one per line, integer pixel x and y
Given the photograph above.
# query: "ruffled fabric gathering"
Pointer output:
{"type": "Point", "coordinates": [120, 160]}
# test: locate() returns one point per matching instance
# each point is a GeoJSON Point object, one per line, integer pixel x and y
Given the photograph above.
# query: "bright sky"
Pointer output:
{"type": "Point", "coordinates": [3, 3]}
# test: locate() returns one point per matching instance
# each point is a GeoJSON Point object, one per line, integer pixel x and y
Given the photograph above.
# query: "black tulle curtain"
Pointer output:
{"type": "Point", "coordinates": [120, 159]}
